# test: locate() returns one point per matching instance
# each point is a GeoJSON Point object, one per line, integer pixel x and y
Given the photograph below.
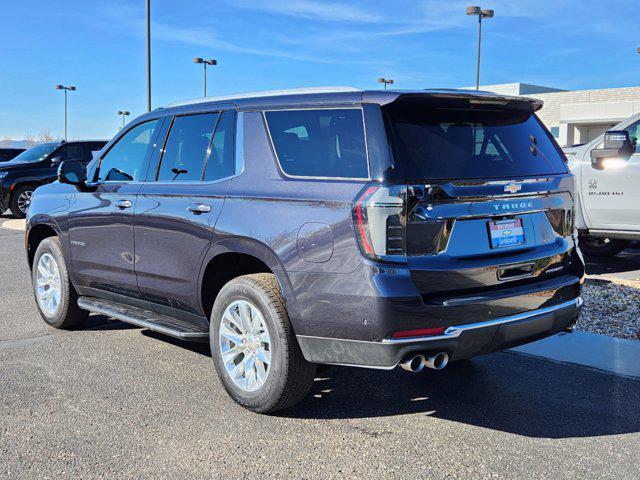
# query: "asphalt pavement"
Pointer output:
{"type": "Point", "coordinates": [114, 401]}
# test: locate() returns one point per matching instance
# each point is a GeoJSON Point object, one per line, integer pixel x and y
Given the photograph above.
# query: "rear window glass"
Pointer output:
{"type": "Point", "coordinates": [320, 143]}
{"type": "Point", "coordinates": [451, 139]}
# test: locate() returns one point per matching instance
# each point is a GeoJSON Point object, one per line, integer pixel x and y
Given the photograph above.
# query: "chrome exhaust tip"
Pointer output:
{"type": "Point", "coordinates": [437, 361]}
{"type": "Point", "coordinates": [413, 363]}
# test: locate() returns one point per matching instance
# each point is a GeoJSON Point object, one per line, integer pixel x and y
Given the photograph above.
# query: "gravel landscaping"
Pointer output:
{"type": "Point", "coordinates": [611, 308]}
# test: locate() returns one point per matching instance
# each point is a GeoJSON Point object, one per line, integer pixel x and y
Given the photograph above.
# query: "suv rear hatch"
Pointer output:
{"type": "Point", "coordinates": [477, 201]}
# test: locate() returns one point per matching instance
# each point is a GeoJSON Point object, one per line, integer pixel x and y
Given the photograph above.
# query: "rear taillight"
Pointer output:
{"type": "Point", "coordinates": [392, 222]}
{"type": "Point", "coordinates": [379, 216]}
{"type": "Point", "coordinates": [561, 220]}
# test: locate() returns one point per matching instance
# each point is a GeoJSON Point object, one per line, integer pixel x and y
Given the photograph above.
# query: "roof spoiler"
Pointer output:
{"type": "Point", "coordinates": [473, 96]}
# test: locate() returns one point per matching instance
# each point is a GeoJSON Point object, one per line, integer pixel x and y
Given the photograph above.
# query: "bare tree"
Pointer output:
{"type": "Point", "coordinates": [30, 140]}
{"type": "Point", "coordinates": [45, 136]}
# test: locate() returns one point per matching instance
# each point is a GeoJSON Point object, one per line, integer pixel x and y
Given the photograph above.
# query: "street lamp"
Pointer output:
{"type": "Point", "coordinates": [474, 10]}
{"type": "Point", "coordinates": [205, 62]}
{"type": "Point", "coordinates": [386, 81]}
{"type": "Point", "coordinates": [66, 89]}
{"type": "Point", "coordinates": [148, 15]}
{"type": "Point", "coordinates": [124, 113]}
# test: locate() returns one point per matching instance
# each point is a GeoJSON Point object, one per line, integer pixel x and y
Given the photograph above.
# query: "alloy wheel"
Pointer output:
{"type": "Point", "coordinates": [245, 345]}
{"type": "Point", "coordinates": [24, 200]}
{"type": "Point", "coordinates": [48, 284]}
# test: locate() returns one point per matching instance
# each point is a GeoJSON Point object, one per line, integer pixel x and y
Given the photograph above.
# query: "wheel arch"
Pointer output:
{"type": "Point", "coordinates": [36, 234]}
{"type": "Point", "coordinates": [234, 257]}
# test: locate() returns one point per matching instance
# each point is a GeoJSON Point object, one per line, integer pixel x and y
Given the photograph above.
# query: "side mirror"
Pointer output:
{"type": "Point", "coordinates": [617, 149]}
{"type": "Point", "coordinates": [56, 161]}
{"type": "Point", "coordinates": [72, 173]}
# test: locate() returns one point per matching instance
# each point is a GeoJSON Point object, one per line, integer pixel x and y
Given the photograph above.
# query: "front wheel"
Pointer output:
{"type": "Point", "coordinates": [20, 200]}
{"type": "Point", "coordinates": [55, 296]}
{"type": "Point", "coordinates": [254, 349]}
{"type": "Point", "coordinates": [601, 247]}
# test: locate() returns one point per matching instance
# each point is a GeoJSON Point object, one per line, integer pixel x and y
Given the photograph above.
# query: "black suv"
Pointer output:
{"type": "Point", "coordinates": [7, 154]}
{"type": "Point", "coordinates": [21, 175]}
{"type": "Point", "coordinates": [297, 228]}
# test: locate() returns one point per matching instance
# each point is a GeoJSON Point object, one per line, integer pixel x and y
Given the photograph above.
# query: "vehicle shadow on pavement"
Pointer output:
{"type": "Point", "coordinates": [503, 391]}
{"type": "Point", "coordinates": [628, 261]}
{"type": "Point", "coordinates": [100, 322]}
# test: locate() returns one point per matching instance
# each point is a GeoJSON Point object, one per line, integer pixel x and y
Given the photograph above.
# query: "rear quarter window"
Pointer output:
{"type": "Point", "coordinates": [319, 142]}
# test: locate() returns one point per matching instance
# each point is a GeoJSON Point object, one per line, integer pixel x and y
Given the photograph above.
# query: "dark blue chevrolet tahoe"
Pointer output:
{"type": "Point", "coordinates": [323, 226]}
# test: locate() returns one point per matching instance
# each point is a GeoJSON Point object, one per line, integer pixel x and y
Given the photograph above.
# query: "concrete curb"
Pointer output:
{"type": "Point", "coordinates": [602, 352]}
{"type": "Point", "coordinates": [15, 224]}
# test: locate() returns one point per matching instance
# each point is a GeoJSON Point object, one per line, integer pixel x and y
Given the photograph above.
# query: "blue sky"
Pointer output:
{"type": "Point", "coordinates": [265, 44]}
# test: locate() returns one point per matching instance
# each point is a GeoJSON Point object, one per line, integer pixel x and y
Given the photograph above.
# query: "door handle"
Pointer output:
{"type": "Point", "coordinates": [198, 208]}
{"type": "Point", "coordinates": [122, 204]}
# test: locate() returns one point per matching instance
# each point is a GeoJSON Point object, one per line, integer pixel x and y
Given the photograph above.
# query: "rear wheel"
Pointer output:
{"type": "Point", "coordinates": [55, 296]}
{"type": "Point", "coordinates": [601, 247]}
{"type": "Point", "coordinates": [20, 200]}
{"type": "Point", "coordinates": [254, 349]}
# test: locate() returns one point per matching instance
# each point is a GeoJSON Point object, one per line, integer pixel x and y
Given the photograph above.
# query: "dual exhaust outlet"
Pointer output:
{"type": "Point", "coordinates": [415, 363]}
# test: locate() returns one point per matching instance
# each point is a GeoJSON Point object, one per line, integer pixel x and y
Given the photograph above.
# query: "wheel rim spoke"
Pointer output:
{"type": "Point", "coordinates": [245, 345]}
{"type": "Point", "coordinates": [48, 284]}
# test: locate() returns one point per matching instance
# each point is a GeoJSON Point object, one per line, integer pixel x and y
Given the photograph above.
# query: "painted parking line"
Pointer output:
{"type": "Point", "coordinates": [602, 352]}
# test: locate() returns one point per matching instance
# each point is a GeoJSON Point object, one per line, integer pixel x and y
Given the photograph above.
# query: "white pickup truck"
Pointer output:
{"type": "Point", "coordinates": [607, 172]}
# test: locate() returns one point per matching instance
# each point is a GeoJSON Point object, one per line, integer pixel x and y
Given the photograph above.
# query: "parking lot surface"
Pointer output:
{"type": "Point", "coordinates": [114, 401]}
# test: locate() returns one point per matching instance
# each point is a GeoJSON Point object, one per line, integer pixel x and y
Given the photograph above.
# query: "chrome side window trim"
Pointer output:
{"type": "Point", "coordinates": [239, 146]}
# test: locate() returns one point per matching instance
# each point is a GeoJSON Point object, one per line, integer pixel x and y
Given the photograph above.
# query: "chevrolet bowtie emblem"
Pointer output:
{"type": "Point", "coordinates": [512, 188]}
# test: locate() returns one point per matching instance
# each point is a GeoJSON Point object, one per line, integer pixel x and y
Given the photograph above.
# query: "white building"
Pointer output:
{"type": "Point", "coordinates": [577, 116]}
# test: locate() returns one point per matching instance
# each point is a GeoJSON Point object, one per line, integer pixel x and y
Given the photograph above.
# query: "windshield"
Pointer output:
{"type": "Point", "coordinates": [34, 154]}
{"type": "Point", "coordinates": [438, 139]}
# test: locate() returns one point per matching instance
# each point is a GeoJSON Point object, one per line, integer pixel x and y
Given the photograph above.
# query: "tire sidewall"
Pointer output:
{"type": "Point", "coordinates": [52, 246]}
{"type": "Point", "coordinates": [270, 392]}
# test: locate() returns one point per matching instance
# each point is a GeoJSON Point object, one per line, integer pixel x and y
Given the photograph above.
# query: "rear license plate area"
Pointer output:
{"type": "Point", "coordinates": [506, 233]}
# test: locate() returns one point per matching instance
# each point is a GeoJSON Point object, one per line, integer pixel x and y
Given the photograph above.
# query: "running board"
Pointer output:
{"type": "Point", "coordinates": [145, 319]}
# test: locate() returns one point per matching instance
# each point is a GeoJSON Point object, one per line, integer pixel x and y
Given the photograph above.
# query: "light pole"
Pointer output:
{"type": "Point", "coordinates": [205, 62]}
{"type": "Point", "coordinates": [66, 89]}
{"type": "Point", "coordinates": [148, 4]}
{"type": "Point", "coordinates": [386, 81]}
{"type": "Point", "coordinates": [124, 113]}
{"type": "Point", "coordinates": [474, 10]}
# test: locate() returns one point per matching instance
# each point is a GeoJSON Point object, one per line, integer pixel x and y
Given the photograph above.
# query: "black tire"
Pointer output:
{"type": "Point", "coordinates": [67, 314]}
{"type": "Point", "coordinates": [601, 247]}
{"type": "Point", "coordinates": [290, 376]}
{"type": "Point", "coordinates": [17, 211]}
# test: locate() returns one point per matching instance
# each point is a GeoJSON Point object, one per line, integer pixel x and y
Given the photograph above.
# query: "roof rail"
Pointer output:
{"type": "Point", "coordinates": [266, 93]}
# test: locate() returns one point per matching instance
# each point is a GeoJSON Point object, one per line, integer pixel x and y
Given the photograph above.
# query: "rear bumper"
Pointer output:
{"type": "Point", "coordinates": [460, 341]}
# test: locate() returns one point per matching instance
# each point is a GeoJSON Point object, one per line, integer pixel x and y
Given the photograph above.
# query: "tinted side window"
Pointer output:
{"type": "Point", "coordinates": [634, 134]}
{"type": "Point", "coordinates": [125, 160]}
{"type": "Point", "coordinates": [187, 148]}
{"type": "Point", "coordinates": [320, 143]}
{"type": "Point", "coordinates": [221, 163]}
{"type": "Point", "coordinates": [73, 151]}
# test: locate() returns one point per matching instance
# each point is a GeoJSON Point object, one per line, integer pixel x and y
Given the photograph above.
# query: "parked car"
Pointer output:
{"type": "Point", "coordinates": [331, 226]}
{"type": "Point", "coordinates": [7, 154]}
{"type": "Point", "coordinates": [607, 213]}
{"type": "Point", "coordinates": [37, 166]}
